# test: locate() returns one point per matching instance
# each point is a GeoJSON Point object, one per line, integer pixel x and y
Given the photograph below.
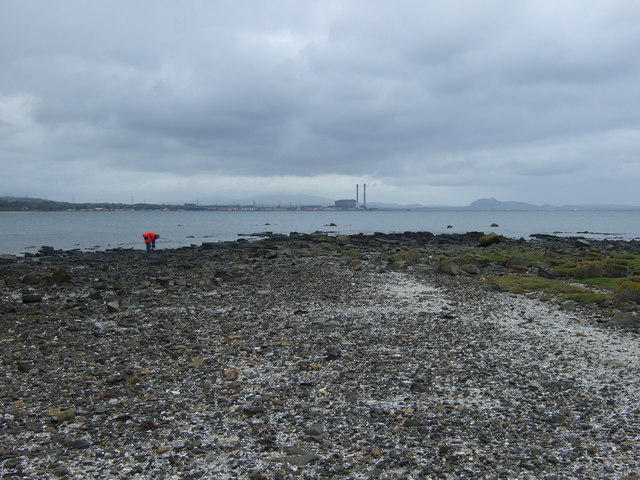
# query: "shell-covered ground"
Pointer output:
{"type": "Point", "coordinates": [279, 361]}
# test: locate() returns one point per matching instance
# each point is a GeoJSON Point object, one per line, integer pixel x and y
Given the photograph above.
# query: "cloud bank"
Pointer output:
{"type": "Point", "coordinates": [426, 102]}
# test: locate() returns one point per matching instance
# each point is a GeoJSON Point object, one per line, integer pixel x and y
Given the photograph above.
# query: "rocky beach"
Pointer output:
{"type": "Point", "coordinates": [386, 356]}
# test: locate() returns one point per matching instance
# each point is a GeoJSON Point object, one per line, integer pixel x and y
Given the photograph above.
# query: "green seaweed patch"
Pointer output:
{"type": "Point", "coordinates": [632, 261]}
{"type": "Point", "coordinates": [608, 283]}
{"type": "Point", "coordinates": [410, 257]}
{"type": "Point", "coordinates": [584, 268]}
{"type": "Point", "coordinates": [501, 257]}
{"type": "Point", "coordinates": [352, 253]}
{"type": "Point", "coordinates": [522, 284]}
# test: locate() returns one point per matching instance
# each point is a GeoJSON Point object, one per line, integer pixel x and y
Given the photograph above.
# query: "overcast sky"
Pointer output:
{"type": "Point", "coordinates": [431, 102]}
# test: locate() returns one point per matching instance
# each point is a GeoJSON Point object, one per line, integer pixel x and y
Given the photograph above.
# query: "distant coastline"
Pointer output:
{"type": "Point", "coordinates": [28, 204]}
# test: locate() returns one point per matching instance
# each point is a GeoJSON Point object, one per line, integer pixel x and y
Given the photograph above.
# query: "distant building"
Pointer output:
{"type": "Point", "coordinates": [345, 204]}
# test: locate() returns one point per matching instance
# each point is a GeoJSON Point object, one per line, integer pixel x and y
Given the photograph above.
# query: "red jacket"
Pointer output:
{"type": "Point", "coordinates": [150, 237]}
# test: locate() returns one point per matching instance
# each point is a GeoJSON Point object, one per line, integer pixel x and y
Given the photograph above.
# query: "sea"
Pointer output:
{"type": "Point", "coordinates": [27, 232]}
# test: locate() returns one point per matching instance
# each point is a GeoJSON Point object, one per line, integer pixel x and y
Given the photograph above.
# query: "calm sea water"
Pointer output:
{"type": "Point", "coordinates": [22, 232]}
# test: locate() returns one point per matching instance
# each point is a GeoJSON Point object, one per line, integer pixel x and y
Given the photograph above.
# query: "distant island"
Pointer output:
{"type": "Point", "coordinates": [28, 204]}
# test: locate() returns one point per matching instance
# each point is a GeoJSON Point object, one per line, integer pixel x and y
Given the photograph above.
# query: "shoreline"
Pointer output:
{"type": "Point", "coordinates": [309, 356]}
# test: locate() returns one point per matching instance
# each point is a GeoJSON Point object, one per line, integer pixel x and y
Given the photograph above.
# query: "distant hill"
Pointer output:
{"type": "Point", "coordinates": [28, 204]}
{"type": "Point", "coordinates": [493, 204]}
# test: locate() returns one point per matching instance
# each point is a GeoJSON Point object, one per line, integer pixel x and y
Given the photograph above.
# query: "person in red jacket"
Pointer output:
{"type": "Point", "coordinates": [150, 239]}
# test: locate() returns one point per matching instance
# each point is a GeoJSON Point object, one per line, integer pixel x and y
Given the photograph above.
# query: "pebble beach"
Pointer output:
{"type": "Point", "coordinates": [306, 357]}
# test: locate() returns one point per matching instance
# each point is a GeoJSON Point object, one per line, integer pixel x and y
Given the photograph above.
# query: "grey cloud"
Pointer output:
{"type": "Point", "coordinates": [450, 93]}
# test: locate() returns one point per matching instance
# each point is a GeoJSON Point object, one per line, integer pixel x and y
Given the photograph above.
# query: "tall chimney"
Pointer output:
{"type": "Point", "coordinates": [364, 195]}
{"type": "Point", "coordinates": [357, 193]}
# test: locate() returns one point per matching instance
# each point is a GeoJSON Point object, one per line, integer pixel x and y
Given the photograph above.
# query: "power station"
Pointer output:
{"type": "Point", "coordinates": [354, 204]}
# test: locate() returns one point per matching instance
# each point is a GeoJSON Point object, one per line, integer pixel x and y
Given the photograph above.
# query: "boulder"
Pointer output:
{"type": "Point", "coordinates": [627, 321]}
{"type": "Point", "coordinates": [629, 292]}
{"type": "Point", "coordinates": [410, 257]}
{"type": "Point", "coordinates": [489, 239]}
{"type": "Point", "coordinates": [448, 267]}
{"type": "Point", "coordinates": [60, 275]}
{"type": "Point", "coordinates": [599, 268]}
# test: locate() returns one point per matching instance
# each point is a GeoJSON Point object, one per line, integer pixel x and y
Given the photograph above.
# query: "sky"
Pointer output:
{"type": "Point", "coordinates": [433, 103]}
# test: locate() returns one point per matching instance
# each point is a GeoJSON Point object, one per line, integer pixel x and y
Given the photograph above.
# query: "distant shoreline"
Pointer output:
{"type": "Point", "coordinates": [25, 204]}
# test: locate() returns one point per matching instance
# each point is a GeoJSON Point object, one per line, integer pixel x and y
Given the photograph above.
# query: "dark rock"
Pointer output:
{"type": "Point", "coordinates": [60, 275]}
{"type": "Point", "coordinates": [625, 320]}
{"type": "Point", "coordinates": [31, 298]}
{"type": "Point", "coordinates": [582, 243]}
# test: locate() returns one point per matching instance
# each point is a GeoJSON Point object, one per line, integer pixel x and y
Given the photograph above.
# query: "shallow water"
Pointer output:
{"type": "Point", "coordinates": [27, 231]}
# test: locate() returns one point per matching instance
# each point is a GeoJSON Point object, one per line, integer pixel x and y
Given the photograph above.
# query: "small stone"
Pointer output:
{"type": "Point", "coordinates": [315, 430]}
{"type": "Point", "coordinates": [31, 298]}
{"type": "Point", "coordinates": [66, 415]}
{"type": "Point", "coordinates": [229, 442]}
{"type": "Point", "coordinates": [232, 374]}
{"type": "Point", "coordinates": [24, 366]}
{"type": "Point", "coordinates": [197, 362]}
{"type": "Point", "coordinates": [113, 307]}
{"type": "Point", "coordinates": [76, 443]}
{"type": "Point", "coordinates": [300, 460]}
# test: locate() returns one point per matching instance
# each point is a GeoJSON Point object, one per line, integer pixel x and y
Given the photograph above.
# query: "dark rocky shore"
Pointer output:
{"type": "Point", "coordinates": [308, 356]}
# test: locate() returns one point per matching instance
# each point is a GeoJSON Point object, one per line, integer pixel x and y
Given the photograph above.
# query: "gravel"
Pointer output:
{"type": "Point", "coordinates": [278, 362]}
